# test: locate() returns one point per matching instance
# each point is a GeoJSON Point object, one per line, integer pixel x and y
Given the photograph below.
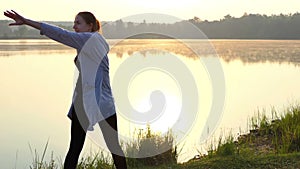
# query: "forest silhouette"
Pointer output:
{"type": "Point", "coordinates": [248, 26]}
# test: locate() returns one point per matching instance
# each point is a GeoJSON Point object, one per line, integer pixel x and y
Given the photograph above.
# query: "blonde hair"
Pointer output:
{"type": "Point", "coordinates": [89, 18]}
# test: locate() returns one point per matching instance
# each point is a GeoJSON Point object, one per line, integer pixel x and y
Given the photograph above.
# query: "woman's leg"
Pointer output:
{"type": "Point", "coordinates": [76, 144]}
{"type": "Point", "coordinates": [109, 130]}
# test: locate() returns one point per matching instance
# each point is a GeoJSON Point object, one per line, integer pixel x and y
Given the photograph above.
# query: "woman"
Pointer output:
{"type": "Point", "coordinates": [92, 99]}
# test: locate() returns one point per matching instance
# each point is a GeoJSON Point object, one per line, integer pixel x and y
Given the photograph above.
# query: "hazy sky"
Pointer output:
{"type": "Point", "coordinates": [111, 10]}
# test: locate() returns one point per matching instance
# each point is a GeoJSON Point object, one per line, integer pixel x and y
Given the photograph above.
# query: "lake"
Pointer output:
{"type": "Point", "coordinates": [201, 89]}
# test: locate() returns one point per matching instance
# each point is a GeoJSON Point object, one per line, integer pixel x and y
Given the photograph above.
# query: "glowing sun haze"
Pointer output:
{"type": "Point", "coordinates": [65, 10]}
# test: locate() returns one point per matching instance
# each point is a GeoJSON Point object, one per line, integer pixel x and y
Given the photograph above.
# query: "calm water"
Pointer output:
{"type": "Point", "coordinates": [37, 78]}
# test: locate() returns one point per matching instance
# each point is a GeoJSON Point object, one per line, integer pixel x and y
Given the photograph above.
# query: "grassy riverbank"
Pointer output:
{"type": "Point", "coordinates": [270, 143]}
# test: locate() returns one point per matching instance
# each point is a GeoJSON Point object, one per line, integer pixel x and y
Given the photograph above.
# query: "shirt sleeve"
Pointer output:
{"type": "Point", "coordinates": [69, 38]}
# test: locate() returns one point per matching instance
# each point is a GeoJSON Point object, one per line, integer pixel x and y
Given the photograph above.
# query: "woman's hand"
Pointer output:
{"type": "Point", "coordinates": [19, 20]}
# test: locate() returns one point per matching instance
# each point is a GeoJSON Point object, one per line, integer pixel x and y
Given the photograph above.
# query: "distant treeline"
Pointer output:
{"type": "Point", "coordinates": [249, 26]}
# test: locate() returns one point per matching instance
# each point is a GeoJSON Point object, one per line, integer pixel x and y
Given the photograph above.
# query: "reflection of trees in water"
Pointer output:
{"type": "Point", "coordinates": [32, 47]}
{"type": "Point", "coordinates": [24, 47]}
{"type": "Point", "coordinates": [185, 48]}
{"type": "Point", "coordinates": [259, 51]}
{"type": "Point", "coordinates": [37, 51]}
{"type": "Point", "coordinates": [248, 51]}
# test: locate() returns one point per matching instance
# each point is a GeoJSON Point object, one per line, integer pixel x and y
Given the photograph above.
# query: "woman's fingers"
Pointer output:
{"type": "Point", "coordinates": [7, 14]}
{"type": "Point", "coordinates": [14, 24]}
{"type": "Point", "coordinates": [10, 15]}
{"type": "Point", "coordinates": [16, 13]}
{"type": "Point", "coordinates": [15, 16]}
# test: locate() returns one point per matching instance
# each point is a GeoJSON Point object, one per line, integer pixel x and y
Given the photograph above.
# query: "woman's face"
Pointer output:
{"type": "Point", "coordinates": [81, 26]}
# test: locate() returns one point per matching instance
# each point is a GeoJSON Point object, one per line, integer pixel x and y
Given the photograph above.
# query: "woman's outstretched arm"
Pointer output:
{"type": "Point", "coordinates": [72, 39]}
{"type": "Point", "coordinates": [20, 20]}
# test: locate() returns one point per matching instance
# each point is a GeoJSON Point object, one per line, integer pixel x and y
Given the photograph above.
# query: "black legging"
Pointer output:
{"type": "Point", "coordinates": [78, 135]}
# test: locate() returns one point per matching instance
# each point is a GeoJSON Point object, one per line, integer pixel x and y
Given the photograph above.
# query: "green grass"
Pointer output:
{"type": "Point", "coordinates": [98, 160]}
{"type": "Point", "coordinates": [151, 149]}
{"type": "Point", "coordinates": [38, 162]}
{"type": "Point", "coordinates": [271, 143]}
{"type": "Point", "coordinates": [283, 131]}
{"type": "Point", "coordinates": [267, 161]}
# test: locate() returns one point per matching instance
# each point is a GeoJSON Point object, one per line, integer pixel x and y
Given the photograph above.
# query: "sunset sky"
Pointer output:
{"type": "Point", "coordinates": [111, 10]}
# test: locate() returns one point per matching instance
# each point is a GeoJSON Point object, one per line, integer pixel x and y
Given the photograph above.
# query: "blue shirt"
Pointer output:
{"type": "Point", "coordinates": [101, 86]}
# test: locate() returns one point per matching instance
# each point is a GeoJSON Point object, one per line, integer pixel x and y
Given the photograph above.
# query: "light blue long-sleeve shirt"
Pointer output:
{"type": "Point", "coordinates": [93, 86]}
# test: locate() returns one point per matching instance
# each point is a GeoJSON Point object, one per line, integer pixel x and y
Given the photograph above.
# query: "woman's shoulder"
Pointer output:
{"type": "Point", "coordinates": [88, 35]}
{"type": "Point", "coordinates": [97, 37]}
